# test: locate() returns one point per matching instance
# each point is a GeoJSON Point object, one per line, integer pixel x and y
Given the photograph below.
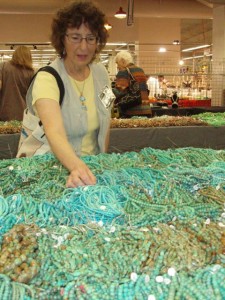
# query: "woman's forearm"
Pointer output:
{"type": "Point", "coordinates": [62, 150]}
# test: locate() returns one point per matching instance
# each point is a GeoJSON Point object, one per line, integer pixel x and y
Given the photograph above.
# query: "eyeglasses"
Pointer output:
{"type": "Point", "coordinates": [77, 38]}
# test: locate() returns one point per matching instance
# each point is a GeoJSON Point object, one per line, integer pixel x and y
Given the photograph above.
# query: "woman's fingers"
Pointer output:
{"type": "Point", "coordinates": [80, 177]}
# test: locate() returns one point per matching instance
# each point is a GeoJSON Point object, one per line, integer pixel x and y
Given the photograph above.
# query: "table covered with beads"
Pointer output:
{"type": "Point", "coordinates": [153, 227]}
{"type": "Point", "coordinates": [205, 130]}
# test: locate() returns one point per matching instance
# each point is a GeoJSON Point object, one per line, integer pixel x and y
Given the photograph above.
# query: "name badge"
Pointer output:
{"type": "Point", "coordinates": [106, 96]}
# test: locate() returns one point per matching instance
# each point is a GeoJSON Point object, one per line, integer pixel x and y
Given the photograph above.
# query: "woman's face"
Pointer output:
{"type": "Point", "coordinates": [80, 45]}
{"type": "Point", "coordinates": [121, 64]}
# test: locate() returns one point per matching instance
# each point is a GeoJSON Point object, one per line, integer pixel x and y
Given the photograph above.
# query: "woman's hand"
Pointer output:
{"type": "Point", "coordinates": [81, 175]}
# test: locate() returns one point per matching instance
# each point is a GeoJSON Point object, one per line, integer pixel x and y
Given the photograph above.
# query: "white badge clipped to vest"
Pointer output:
{"type": "Point", "coordinates": [107, 96]}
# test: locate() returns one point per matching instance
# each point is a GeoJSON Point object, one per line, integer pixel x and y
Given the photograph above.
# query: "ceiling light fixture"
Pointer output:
{"type": "Point", "coordinates": [108, 26]}
{"type": "Point", "coordinates": [197, 56]}
{"type": "Point", "coordinates": [162, 49]}
{"type": "Point", "coordinates": [120, 14]}
{"type": "Point", "coordinates": [181, 62]}
{"type": "Point", "coordinates": [195, 48]}
{"type": "Point", "coordinates": [176, 42]}
{"type": "Point", "coordinates": [116, 44]}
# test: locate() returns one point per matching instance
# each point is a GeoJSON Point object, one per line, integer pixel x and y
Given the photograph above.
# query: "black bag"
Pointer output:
{"type": "Point", "coordinates": [131, 96]}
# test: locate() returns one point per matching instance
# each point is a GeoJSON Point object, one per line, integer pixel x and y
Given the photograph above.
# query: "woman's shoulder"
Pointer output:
{"type": "Point", "coordinates": [122, 74]}
{"type": "Point", "coordinates": [135, 68]}
{"type": "Point", "coordinates": [100, 73]}
{"type": "Point", "coordinates": [138, 73]}
{"type": "Point", "coordinates": [98, 67]}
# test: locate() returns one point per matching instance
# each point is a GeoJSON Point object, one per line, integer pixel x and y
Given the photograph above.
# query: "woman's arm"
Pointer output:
{"type": "Point", "coordinates": [50, 114]}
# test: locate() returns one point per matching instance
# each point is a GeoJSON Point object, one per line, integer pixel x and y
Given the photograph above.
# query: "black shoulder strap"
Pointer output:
{"type": "Point", "coordinates": [52, 71]}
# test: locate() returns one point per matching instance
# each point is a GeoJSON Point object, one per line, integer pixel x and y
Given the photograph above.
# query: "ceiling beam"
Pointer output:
{"type": "Point", "coordinates": [206, 3]}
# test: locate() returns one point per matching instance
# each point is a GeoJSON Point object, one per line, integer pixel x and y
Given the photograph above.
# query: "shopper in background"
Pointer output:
{"type": "Point", "coordinates": [124, 61]}
{"type": "Point", "coordinates": [15, 77]}
{"type": "Point", "coordinates": [81, 125]}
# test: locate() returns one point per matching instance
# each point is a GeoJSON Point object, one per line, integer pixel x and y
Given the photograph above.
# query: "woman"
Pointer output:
{"type": "Point", "coordinates": [125, 64]}
{"type": "Point", "coordinates": [15, 77]}
{"type": "Point", "coordinates": [81, 125]}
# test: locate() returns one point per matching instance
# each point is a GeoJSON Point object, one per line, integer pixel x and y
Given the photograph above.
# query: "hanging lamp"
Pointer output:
{"type": "Point", "coordinates": [120, 14]}
{"type": "Point", "coordinates": [108, 26]}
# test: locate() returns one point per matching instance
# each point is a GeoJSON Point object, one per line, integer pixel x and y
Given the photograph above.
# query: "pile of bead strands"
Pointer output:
{"type": "Point", "coordinates": [152, 227]}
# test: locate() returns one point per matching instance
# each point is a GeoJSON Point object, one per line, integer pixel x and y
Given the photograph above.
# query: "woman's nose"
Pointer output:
{"type": "Point", "coordinates": [84, 43]}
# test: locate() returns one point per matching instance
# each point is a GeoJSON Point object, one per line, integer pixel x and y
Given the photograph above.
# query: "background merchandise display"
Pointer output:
{"type": "Point", "coordinates": [201, 130]}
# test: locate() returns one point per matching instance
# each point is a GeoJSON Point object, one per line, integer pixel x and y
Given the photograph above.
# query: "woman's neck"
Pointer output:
{"type": "Point", "coordinates": [76, 72]}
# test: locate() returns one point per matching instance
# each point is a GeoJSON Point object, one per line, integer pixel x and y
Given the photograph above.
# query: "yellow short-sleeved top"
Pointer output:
{"type": "Point", "coordinates": [45, 86]}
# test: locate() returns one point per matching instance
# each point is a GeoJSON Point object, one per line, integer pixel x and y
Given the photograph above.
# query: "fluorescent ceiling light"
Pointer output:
{"type": "Point", "coordinates": [116, 44]}
{"type": "Point", "coordinates": [198, 56]}
{"type": "Point", "coordinates": [43, 55]}
{"type": "Point", "coordinates": [6, 50]}
{"type": "Point", "coordinates": [195, 48]}
{"type": "Point", "coordinates": [43, 50]}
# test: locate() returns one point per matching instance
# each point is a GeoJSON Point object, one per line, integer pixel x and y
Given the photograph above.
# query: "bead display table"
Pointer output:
{"type": "Point", "coordinates": [151, 228]}
{"type": "Point", "coordinates": [135, 139]}
{"type": "Point", "coordinates": [8, 145]}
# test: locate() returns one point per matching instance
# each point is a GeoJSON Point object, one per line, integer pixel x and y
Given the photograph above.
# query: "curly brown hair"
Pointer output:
{"type": "Point", "coordinates": [72, 16]}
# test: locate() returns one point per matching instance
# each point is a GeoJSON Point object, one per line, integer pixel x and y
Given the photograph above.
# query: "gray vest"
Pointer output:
{"type": "Point", "coordinates": [74, 117]}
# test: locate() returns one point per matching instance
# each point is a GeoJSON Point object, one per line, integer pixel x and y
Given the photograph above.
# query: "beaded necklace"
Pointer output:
{"type": "Point", "coordinates": [73, 74]}
{"type": "Point", "coordinates": [81, 96]}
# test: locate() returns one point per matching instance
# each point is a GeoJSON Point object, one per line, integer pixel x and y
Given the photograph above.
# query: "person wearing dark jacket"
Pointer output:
{"type": "Point", "coordinates": [125, 64]}
{"type": "Point", "coordinates": [15, 77]}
